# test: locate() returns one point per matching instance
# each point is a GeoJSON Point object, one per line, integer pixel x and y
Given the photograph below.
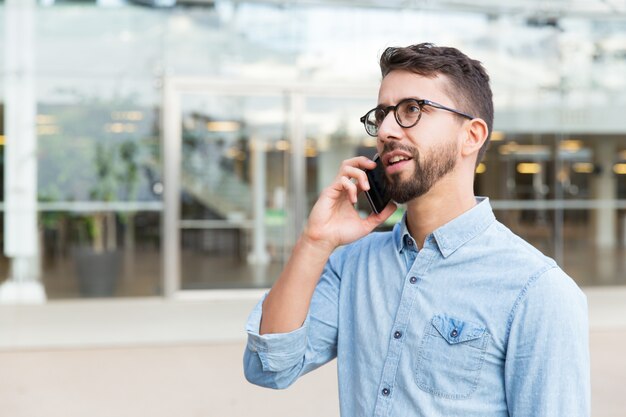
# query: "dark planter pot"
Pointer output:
{"type": "Point", "coordinates": [98, 273]}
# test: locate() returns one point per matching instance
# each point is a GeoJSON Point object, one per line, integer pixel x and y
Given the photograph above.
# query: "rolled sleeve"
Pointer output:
{"type": "Point", "coordinates": [277, 351]}
{"type": "Point", "coordinates": [277, 360]}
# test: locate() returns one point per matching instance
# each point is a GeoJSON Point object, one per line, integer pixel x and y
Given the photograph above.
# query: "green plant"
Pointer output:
{"type": "Point", "coordinates": [128, 177]}
{"type": "Point", "coordinates": [101, 225]}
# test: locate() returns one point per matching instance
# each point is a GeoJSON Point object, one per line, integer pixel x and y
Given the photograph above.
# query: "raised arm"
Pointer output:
{"type": "Point", "coordinates": [332, 222]}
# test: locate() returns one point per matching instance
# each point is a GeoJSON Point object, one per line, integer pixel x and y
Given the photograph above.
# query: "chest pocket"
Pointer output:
{"type": "Point", "coordinates": [451, 357]}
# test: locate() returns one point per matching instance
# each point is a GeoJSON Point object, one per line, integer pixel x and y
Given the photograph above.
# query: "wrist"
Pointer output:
{"type": "Point", "coordinates": [316, 243]}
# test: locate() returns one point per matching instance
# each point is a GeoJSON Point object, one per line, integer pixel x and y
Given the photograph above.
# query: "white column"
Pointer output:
{"type": "Point", "coordinates": [20, 175]}
{"type": "Point", "coordinates": [259, 254]}
{"type": "Point", "coordinates": [603, 187]}
{"type": "Point", "coordinates": [171, 145]}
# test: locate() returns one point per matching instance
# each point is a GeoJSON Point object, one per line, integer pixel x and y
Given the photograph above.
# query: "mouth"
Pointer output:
{"type": "Point", "coordinates": [396, 162]}
{"type": "Point", "coordinates": [396, 158]}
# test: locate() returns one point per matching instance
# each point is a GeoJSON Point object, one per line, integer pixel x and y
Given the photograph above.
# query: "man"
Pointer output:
{"type": "Point", "coordinates": [450, 314]}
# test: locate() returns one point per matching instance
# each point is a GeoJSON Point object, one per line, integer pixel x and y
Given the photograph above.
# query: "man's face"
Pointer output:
{"type": "Point", "coordinates": [417, 158]}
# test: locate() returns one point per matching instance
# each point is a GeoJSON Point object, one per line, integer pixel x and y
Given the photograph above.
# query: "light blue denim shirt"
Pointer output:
{"type": "Point", "coordinates": [476, 323]}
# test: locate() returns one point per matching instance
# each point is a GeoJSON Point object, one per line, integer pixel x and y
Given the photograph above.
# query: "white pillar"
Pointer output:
{"type": "Point", "coordinates": [171, 146]}
{"type": "Point", "coordinates": [259, 255]}
{"type": "Point", "coordinates": [603, 188]}
{"type": "Point", "coordinates": [20, 175]}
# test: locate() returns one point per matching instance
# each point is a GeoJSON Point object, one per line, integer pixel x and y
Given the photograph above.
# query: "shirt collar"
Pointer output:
{"type": "Point", "coordinates": [402, 237]}
{"type": "Point", "coordinates": [453, 234]}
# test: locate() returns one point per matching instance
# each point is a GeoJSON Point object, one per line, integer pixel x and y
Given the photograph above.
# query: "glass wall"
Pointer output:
{"type": "Point", "coordinates": [98, 143]}
{"type": "Point", "coordinates": [561, 193]}
{"type": "Point", "coordinates": [555, 172]}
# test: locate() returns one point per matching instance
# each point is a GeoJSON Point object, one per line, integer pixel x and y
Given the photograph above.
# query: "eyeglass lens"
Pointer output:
{"type": "Point", "coordinates": [407, 113]}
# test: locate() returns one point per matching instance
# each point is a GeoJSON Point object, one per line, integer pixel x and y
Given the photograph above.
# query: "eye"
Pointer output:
{"type": "Point", "coordinates": [412, 108]}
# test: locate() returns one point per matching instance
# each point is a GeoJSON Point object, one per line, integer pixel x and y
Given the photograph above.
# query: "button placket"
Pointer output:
{"type": "Point", "coordinates": [417, 265]}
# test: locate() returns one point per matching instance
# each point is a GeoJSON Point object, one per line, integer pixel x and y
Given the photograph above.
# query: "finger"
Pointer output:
{"type": "Point", "coordinates": [350, 188]}
{"type": "Point", "coordinates": [361, 162]}
{"type": "Point", "coordinates": [357, 174]}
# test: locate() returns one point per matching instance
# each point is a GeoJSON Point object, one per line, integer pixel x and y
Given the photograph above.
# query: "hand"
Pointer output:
{"type": "Point", "coordinates": [334, 221]}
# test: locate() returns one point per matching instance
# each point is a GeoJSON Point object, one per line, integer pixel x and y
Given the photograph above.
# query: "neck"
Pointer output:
{"type": "Point", "coordinates": [444, 202]}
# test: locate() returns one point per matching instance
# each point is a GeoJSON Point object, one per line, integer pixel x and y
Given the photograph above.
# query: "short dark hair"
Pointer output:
{"type": "Point", "coordinates": [470, 82]}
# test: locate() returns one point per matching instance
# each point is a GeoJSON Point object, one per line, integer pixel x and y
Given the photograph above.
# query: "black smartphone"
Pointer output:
{"type": "Point", "coordinates": [377, 195]}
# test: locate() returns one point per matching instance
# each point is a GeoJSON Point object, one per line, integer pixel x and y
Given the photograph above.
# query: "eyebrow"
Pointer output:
{"type": "Point", "coordinates": [382, 105]}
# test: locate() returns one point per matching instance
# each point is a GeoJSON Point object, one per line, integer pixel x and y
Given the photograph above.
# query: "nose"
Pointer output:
{"type": "Point", "coordinates": [389, 129]}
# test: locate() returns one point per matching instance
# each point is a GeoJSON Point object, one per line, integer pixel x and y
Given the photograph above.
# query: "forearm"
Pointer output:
{"type": "Point", "coordinates": [333, 222]}
{"type": "Point", "coordinates": [286, 306]}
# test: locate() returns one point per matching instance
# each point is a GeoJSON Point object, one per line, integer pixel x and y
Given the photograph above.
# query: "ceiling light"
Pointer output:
{"type": "Point", "coordinates": [571, 145]}
{"type": "Point", "coordinates": [223, 126]}
{"type": "Point", "coordinates": [311, 152]}
{"type": "Point", "coordinates": [134, 115]}
{"type": "Point", "coordinates": [528, 168]}
{"type": "Point", "coordinates": [46, 119]}
{"type": "Point", "coordinates": [583, 167]}
{"type": "Point", "coordinates": [619, 169]}
{"type": "Point", "coordinates": [282, 145]}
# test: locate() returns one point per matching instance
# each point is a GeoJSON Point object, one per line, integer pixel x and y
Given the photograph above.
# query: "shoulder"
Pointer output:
{"type": "Point", "coordinates": [554, 286]}
{"type": "Point", "coordinates": [513, 255]}
{"type": "Point", "coordinates": [550, 296]}
{"type": "Point", "coordinates": [540, 274]}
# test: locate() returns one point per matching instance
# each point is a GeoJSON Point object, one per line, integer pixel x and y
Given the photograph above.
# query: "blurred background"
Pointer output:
{"type": "Point", "coordinates": [159, 158]}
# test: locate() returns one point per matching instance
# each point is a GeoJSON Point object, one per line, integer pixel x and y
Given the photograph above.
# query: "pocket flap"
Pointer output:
{"type": "Point", "coordinates": [455, 330]}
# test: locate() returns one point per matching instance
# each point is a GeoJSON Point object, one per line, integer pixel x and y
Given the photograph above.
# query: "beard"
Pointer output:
{"type": "Point", "coordinates": [426, 173]}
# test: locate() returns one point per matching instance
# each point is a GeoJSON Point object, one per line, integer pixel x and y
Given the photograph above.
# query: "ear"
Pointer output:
{"type": "Point", "coordinates": [475, 134]}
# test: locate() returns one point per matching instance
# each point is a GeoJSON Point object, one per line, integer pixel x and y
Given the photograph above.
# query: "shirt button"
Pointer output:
{"type": "Point", "coordinates": [385, 391]}
{"type": "Point", "coordinates": [454, 333]}
{"type": "Point", "coordinates": [413, 280]}
{"type": "Point", "coordinates": [409, 241]}
{"type": "Point", "coordinates": [397, 335]}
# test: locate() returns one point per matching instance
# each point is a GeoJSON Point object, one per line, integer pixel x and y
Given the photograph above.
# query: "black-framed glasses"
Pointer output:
{"type": "Point", "coordinates": [407, 113]}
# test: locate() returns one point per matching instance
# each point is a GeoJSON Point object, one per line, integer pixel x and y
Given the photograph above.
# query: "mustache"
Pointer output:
{"type": "Point", "coordinates": [394, 146]}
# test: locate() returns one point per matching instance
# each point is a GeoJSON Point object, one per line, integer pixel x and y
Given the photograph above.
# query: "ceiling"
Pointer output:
{"type": "Point", "coordinates": [587, 8]}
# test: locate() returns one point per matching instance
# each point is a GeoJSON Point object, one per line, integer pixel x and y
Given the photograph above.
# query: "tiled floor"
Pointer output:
{"type": "Point", "coordinates": [183, 358]}
{"type": "Point", "coordinates": [206, 380]}
{"type": "Point", "coordinates": [172, 381]}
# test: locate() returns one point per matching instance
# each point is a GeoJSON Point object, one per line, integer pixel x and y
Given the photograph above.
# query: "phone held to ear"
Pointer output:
{"type": "Point", "coordinates": [377, 195]}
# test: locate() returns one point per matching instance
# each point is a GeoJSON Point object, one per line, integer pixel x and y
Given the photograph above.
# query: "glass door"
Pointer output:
{"type": "Point", "coordinates": [226, 187]}
{"type": "Point", "coordinates": [243, 162]}
{"type": "Point", "coordinates": [233, 180]}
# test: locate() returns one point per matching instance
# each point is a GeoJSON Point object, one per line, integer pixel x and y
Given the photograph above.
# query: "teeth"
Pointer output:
{"type": "Point", "coordinates": [395, 159]}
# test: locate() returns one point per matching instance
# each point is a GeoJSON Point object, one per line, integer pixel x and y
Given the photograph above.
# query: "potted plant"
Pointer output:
{"type": "Point", "coordinates": [98, 263]}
